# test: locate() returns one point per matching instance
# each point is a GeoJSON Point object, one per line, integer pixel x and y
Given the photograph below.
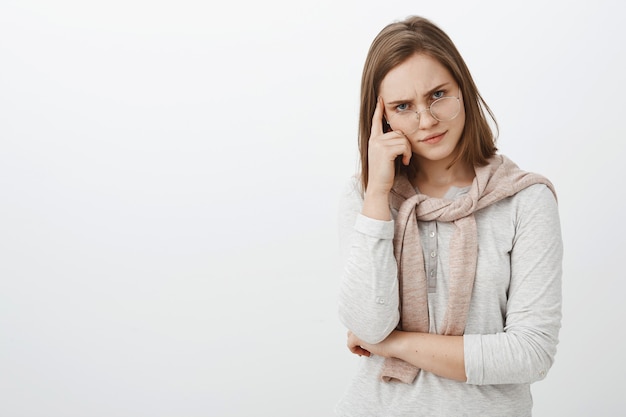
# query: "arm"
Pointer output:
{"type": "Point", "coordinates": [368, 296]}
{"type": "Point", "coordinates": [439, 354]}
{"type": "Point", "coordinates": [368, 293]}
{"type": "Point", "coordinates": [524, 351]}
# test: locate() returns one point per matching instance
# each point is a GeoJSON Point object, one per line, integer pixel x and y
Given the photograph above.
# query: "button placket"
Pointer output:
{"type": "Point", "coordinates": [431, 263]}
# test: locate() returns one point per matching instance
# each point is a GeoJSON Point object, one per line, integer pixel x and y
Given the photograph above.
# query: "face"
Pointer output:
{"type": "Point", "coordinates": [412, 87]}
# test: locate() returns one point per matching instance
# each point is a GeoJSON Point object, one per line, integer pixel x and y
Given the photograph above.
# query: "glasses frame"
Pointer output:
{"type": "Point", "coordinates": [418, 112]}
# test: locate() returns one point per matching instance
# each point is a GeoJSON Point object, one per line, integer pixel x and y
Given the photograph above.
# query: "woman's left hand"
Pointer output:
{"type": "Point", "coordinates": [384, 348]}
{"type": "Point", "coordinates": [356, 345]}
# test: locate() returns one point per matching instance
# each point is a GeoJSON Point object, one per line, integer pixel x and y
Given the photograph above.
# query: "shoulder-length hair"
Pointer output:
{"type": "Point", "coordinates": [395, 44]}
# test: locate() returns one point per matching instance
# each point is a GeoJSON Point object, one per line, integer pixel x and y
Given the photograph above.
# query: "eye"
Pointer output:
{"type": "Point", "coordinates": [402, 107]}
{"type": "Point", "coordinates": [438, 94]}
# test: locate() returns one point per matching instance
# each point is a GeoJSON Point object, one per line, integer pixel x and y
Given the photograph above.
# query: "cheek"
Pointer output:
{"type": "Point", "coordinates": [461, 118]}
{"type": "Point", "coordinates": [459, 122]}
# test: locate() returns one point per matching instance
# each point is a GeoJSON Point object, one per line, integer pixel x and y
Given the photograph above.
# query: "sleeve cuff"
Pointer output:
{"type": "Point", "coordinates": [381, 229]}
{"type": "Point", "coordinates": [473, 352]}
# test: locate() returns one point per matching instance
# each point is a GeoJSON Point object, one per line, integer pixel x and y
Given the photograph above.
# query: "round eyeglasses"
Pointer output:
{"type": "Point", "coordinates": [442, 109]}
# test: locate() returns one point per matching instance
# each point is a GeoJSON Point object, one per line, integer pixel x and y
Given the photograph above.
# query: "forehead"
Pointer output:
{"type": "Point", "coordinates": [418, 75]}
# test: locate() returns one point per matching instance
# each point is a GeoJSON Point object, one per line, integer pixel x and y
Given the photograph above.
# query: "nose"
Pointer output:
{"type": "Point", "coordinates": [425, 119]}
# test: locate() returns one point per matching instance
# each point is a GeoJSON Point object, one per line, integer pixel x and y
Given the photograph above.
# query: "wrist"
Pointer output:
{"type": "Point", "coordinates": [377, 191]}
{"type": "Point", "coordinates": [397, 344]}
{"type": "Point", "coordinates": [376, 206]}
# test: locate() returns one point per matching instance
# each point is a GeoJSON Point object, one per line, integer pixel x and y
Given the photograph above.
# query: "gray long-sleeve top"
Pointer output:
{"type": "Point", "coordinates": [515, 313]}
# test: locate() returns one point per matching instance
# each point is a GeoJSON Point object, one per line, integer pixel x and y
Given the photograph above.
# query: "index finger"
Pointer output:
{"type": "Point", "coordinates": [377, 118]}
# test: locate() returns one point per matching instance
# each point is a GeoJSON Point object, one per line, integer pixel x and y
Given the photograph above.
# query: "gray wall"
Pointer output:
{"type": "Point", "coordinates": [169, 176]}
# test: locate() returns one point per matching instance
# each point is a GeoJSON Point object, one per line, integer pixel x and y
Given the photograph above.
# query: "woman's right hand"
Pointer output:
{"type": "Point", "coordinates": [383, 148]}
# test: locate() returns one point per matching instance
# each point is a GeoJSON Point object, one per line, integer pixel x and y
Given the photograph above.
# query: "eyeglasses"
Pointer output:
{"type": "Point", "coordinates": [442, 109]}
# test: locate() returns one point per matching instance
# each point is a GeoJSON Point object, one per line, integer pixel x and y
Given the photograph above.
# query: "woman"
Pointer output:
{"type": "Point", "coordinates": [451, 288]}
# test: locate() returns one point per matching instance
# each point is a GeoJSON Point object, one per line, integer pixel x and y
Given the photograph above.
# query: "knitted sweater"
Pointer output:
{"type": "Point", "coordinates": [513, 322]}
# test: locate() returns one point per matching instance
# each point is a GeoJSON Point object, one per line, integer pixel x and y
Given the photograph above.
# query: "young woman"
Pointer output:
{"type": "Point", "coordinates": [451, 288]}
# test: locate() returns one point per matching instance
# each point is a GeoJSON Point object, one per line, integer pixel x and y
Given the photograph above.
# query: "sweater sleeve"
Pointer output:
{"type": "Point", "coordinates": [525, 350]}
{"type": "Point", "coordinates": [368, 293]}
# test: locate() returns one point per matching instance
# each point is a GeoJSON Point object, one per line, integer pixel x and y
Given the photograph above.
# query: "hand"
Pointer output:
{"type": "Point", "coordinates": [383, 148]}
{"type": "Point", "coordinates": [386, 348]}
{"type": "Point", "coordinates": [354, 344]}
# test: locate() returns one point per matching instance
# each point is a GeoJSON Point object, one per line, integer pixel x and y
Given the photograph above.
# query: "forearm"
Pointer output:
{"type": "Point", "coordinates": [438, 354]}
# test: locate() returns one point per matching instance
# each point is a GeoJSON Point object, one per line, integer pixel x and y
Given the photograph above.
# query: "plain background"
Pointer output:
{"type": "Point", "coordinates": [169, 179]}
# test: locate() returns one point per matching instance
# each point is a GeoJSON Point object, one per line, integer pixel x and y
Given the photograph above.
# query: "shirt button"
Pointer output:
{"type": "Point", "coordinates": [433, 254]}
{"type": "Point", "coordinates": [380, 300]}
{"type": "Point", "coordinates": [432, 234]}
{"type": "Point", "coordinates": [432, 272]}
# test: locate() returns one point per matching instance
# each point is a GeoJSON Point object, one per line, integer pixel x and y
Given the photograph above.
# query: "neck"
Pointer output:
{"type": "Point", "coordinates": [434, 178]}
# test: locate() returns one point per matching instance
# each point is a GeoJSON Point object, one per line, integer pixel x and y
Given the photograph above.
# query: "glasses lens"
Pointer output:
{"type": "Point", "coordinates": [445, 108]}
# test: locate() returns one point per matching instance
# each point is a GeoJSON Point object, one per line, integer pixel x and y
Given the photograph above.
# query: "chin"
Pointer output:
{"type": "Point", "coordinates": [435, 154]}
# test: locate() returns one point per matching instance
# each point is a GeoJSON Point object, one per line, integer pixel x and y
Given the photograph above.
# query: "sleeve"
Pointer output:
{"type": "Point", "coordinates": [368, 292]}
{"type": "Point", "coordinates": [525, 350]}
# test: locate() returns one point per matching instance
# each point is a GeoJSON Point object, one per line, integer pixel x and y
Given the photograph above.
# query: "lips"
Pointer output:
{"type": "Point", "coordinates": [434, 138]}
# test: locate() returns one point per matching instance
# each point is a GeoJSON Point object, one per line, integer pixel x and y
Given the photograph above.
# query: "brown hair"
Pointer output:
{"type": "Point", "coordinates": [395, 44]}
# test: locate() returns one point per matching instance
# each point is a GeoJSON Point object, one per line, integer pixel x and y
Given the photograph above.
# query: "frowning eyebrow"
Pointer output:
{"type": "Point", "coordinates": [428, 93]}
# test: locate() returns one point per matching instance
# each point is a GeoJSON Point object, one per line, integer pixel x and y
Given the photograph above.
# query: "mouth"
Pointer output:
{"type": "Point", "coordinates": [434, 138]}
